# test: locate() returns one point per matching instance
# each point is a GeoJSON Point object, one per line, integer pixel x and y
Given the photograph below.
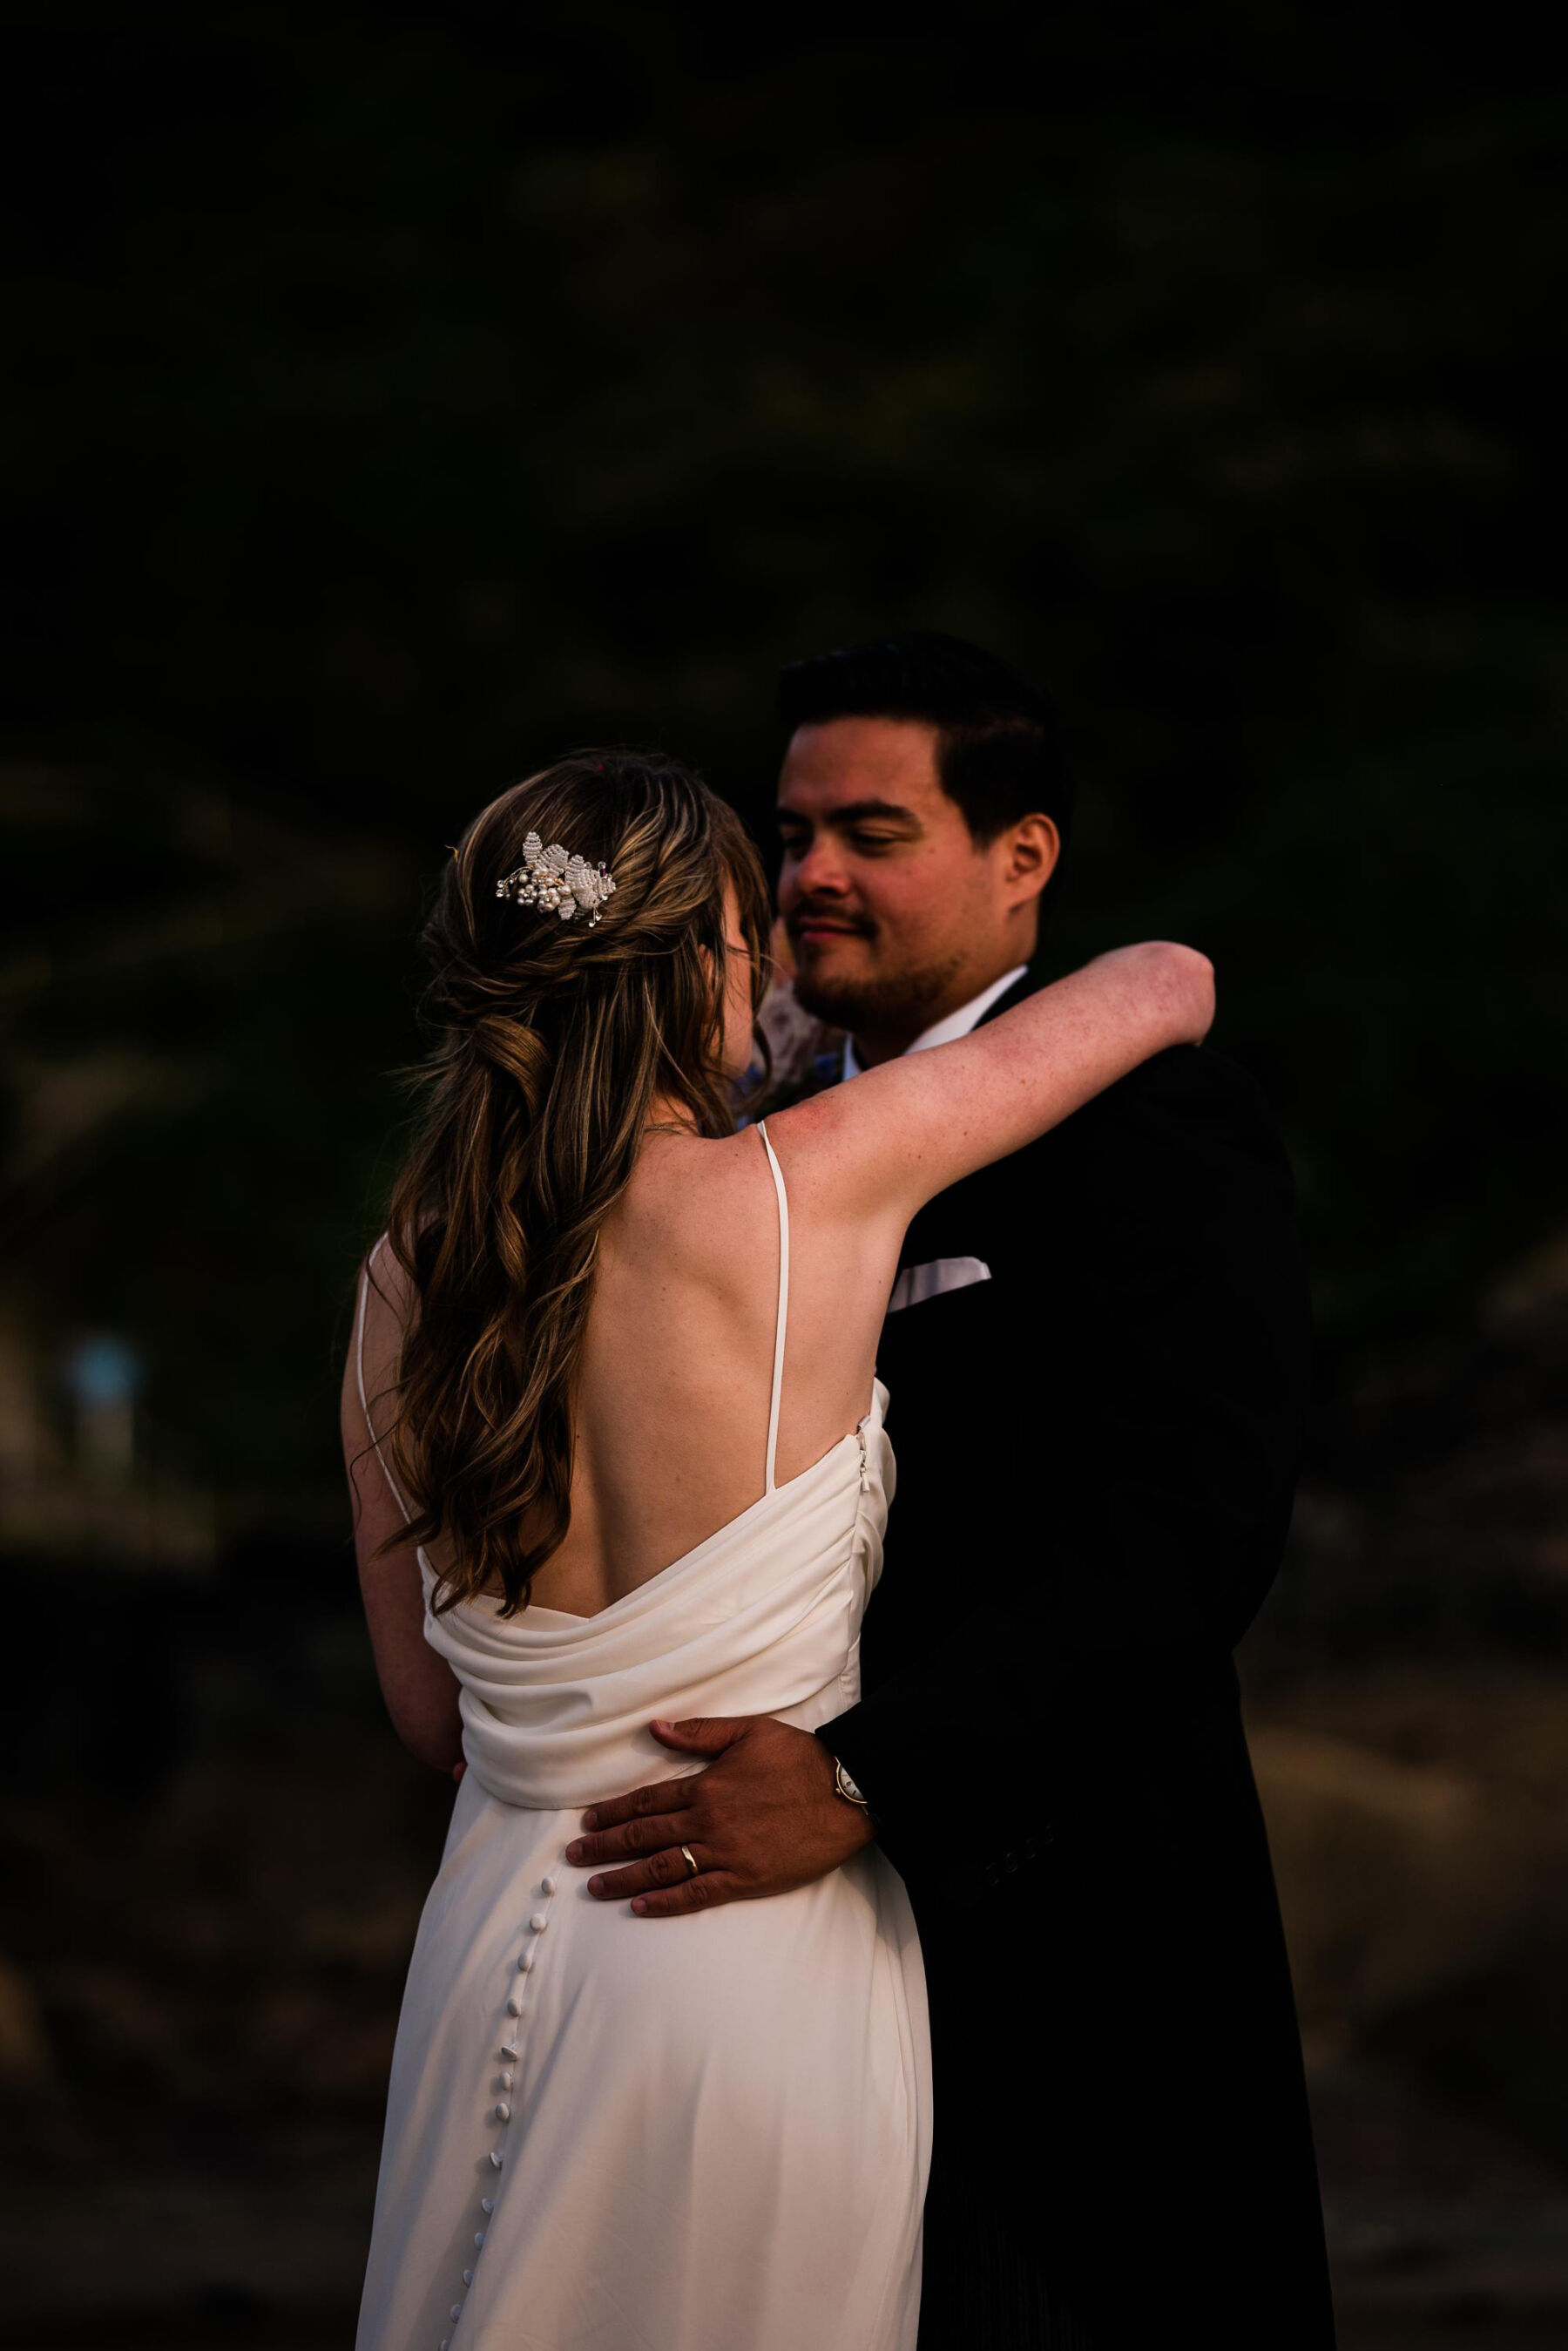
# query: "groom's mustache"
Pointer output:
{"type": "Point", "coordinates": [824, 918]}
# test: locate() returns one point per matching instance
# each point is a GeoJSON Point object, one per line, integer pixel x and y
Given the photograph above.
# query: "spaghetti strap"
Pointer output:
{"type": "Point", "coordinates": [783, 1306]}
{"type": "Point", "coordinates": [360, 1375]}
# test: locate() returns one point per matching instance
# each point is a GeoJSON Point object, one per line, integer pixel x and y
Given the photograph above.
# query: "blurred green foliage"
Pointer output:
{"type": "Point", "coordinates": [392, 405]}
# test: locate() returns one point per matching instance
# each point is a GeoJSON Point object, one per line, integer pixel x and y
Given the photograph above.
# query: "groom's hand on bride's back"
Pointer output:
{"type": "Point", "coordinates": [762, 1818]}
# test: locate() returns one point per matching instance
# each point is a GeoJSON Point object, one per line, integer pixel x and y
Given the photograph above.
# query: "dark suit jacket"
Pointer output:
{"type": "Point", "coordinates": [1096, 1453]}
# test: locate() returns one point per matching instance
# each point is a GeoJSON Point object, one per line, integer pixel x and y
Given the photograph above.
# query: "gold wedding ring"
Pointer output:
{"type": "Point", "coordinates": [690, 1861]}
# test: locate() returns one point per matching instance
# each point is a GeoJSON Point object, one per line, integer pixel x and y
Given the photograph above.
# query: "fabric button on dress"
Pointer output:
{"type": "Point", "coordinates": [539, 1921]}
{"type": "Point", "coordinates": [502, 2111]}
{"type": "Point", "coordinates": [546, 1886]}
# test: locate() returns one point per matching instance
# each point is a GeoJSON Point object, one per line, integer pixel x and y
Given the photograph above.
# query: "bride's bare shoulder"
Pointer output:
{"type": "Point", "coordinates": [692, 1193]}
{"type": "Point", "coordinates": [814, 1139]}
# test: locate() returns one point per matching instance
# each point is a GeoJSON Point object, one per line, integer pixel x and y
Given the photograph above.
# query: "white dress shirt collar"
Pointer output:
{"type": "Point", "coordinates": [954, 1025]}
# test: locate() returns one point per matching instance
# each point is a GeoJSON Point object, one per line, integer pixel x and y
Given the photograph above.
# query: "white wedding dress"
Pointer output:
{"type": "Point", "coordinates": [607, 2133]}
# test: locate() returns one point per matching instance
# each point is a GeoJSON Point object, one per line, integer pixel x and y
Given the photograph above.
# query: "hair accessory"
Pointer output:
{"type": "Point", "coordinates": [559, 879]}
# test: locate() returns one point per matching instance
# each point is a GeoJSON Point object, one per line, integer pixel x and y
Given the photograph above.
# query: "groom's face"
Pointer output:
{"type": "Point", "coordinates": [891, 907]}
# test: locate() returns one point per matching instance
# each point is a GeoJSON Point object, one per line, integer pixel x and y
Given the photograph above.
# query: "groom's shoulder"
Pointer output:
{"type": "Point", "coordinates": [1186, 1082]}
{"type": "Point", "coordinates": [1190, 1082]}
{"type": "Point", "coordinates": [1187, 1103]}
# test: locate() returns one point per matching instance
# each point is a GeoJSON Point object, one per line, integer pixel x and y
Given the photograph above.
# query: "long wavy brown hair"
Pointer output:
{"type": "Point", "coordinates": [549, 1043]}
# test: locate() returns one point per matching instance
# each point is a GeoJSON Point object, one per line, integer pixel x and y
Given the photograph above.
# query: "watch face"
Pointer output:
{"type": "Point", "coordinates": [848, 1788]}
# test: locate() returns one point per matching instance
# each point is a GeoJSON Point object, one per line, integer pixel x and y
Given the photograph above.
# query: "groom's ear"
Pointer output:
{"type": "Point", "coordinates": [1033, 849]}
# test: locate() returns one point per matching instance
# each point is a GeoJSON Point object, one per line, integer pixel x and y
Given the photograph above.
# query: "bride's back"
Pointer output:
{"type": "Point", "coordinates": [673, 1383]}
{"type": "Point", "coordinates": [671, 1398]}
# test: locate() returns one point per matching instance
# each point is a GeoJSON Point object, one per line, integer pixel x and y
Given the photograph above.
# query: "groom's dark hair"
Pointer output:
{"type": "Point", "coordinates": [999, 754]}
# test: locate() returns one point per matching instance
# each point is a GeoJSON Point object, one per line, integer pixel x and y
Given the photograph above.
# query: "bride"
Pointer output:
{"type": "Point", "coordinates": [618, 1454]}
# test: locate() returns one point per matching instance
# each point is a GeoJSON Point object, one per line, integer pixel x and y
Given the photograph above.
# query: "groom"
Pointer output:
{"type": "Point", "coordinates": [1096, 1357]}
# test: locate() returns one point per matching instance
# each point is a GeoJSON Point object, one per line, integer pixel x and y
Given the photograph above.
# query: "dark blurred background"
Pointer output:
{"type": "Point", "coordinates": [394, 400]}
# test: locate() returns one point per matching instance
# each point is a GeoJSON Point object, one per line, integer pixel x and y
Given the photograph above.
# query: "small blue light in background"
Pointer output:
{"type": "Point", "coordinates": [103, 1371]}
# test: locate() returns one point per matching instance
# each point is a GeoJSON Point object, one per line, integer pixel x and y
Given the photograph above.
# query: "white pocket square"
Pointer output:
{"type": "Point", "coordinates": [918, 1282]}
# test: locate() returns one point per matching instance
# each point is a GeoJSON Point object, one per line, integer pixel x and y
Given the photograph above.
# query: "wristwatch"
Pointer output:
{"type": "Point", "coordinates": [843, 1785]}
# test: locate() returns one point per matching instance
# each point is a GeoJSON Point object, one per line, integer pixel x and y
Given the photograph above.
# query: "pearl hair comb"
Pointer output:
{"type": "Point", "coordinates": [557, 879]}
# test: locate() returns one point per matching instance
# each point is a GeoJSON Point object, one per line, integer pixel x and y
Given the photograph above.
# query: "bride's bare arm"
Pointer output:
{"type": "Point", "coordinates": [907, 1130]}
{"type": "Point", "coordinates": [419, 1686]}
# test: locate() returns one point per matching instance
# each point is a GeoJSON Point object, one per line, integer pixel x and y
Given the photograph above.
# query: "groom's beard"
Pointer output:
{"type": "Point", "coordinates": [877, 1005]}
